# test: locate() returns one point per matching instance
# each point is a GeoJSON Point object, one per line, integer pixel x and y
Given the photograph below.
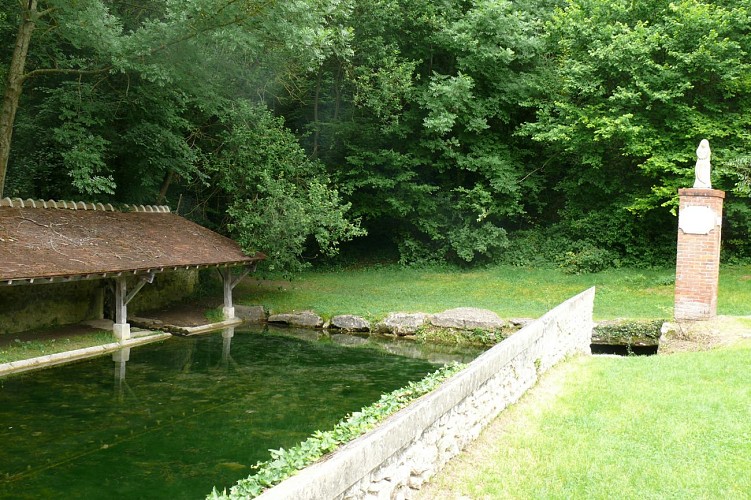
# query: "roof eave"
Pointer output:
{"type": "Point", "coordinates": [30, 280]}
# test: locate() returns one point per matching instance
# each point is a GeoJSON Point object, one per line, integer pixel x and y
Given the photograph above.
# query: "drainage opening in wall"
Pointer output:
{"type": "Point", "coordinates": [624, 349]}
{"type": "Point", "coordinates": [625, 337]}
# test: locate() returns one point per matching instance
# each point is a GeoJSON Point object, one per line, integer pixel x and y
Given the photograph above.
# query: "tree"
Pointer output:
{"type": "Point", "coordinates": [424, 143]}
{"type": "Point", "coordinates": [278, 200]}
{"type": "Point", "coordinates": [118, 42]}
{"type": "Point", "coordinates": [632, 89]}
{"type": "Point", "coordinates": [15, 78]}
{"type": "Point", "coordinates": [146, 102]}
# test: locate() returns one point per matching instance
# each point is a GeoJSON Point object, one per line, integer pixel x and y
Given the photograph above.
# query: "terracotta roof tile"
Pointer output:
{"type": "Point", "coordinates": [40, 243]}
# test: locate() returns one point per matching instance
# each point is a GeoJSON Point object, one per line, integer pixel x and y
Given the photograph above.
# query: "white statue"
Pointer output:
{"type": "Point", "coordinates": [703, 166]}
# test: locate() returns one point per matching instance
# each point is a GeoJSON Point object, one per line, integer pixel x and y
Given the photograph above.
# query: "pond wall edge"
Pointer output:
{"type": "Point", "coordinates": [395, 459]}
{"type": "Point", "coordinates": [59, 358]}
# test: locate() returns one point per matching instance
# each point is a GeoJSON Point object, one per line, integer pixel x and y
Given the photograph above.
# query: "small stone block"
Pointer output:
{"type": "Point", "coordinates": [350, 323]}
{"type": "Point", "coordinates": [228, 312]}
{"type": "Point", "coordinates": [121, 331]}
{"type": "Point", "coordinates": [251, 314]}
{"type": "Point", "coordinates": [303, 319]}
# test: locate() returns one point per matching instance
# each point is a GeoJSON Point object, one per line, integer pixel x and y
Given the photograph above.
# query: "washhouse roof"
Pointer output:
{"type": "Point", "coordinates": [49, 241]}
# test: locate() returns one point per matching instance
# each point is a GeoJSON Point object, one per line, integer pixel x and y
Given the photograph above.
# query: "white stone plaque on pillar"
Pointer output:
{"type": "Point", "coordinates": [697, 220]}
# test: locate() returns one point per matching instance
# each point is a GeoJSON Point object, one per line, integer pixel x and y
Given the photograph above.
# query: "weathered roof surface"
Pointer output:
{"type": "Point", "coordinates": [42, 243]}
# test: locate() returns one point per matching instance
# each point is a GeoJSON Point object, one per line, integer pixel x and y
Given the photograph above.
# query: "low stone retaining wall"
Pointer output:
{"type": "Point", "coordinates": [60, 358]}
{"type": "Point", "coordinates": [394, 460]}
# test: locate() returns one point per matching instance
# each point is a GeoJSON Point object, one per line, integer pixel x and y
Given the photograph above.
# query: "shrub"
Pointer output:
{"type": "Point", "coordinates": [588, 259]}
{"type": "Point", "coordinates": [626, 331]}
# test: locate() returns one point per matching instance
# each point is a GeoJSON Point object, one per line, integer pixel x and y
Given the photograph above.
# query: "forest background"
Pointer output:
{"type": "Point", "coordinates": [450, 131]}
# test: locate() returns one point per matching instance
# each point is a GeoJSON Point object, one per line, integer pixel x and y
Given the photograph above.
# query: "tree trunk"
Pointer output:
{"type": "Point", "coordinates": [165, 187]}
{"type": "Point", "coordinates": [316, 104]}
{"type": "Point", "coordinates": [14, 86]}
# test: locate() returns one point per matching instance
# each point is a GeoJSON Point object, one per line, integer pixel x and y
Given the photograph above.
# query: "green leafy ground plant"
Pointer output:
{"type": "Point", "coordinates": [453, 336]}
{"type": "Point", "coordinates": [286, 462]}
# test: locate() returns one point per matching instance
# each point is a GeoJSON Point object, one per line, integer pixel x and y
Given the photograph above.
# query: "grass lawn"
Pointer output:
{"type": "Point", "coordinates": [676, 426]}
{"type": "Point", "coordinates": [509, 291]}
{"type": "Point", "coordinates": [17, 349]}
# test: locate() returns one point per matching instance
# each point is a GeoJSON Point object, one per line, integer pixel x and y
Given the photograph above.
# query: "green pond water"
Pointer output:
{"type": "Point", "coordinates": [174, 419]}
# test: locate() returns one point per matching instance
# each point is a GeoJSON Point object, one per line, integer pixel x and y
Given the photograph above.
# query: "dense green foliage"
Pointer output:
{"type": "Point", "coordinates": [465, 131]}
{"type": "Point", "coordinates": [284, 463]}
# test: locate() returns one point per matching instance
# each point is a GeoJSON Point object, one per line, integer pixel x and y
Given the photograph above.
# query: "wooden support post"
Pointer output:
{"type": "Point", "coordinates": [227, 311]}
{"type": "Point", "coordinates": [229, 284]}
{"type": "Point", "coordinates": [121, 328]}
{"type": "Point", "coordinates": [122, 299]}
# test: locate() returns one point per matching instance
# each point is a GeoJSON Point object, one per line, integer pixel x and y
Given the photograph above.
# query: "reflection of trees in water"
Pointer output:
{"type": "Point", "coordinates": [192, 402]}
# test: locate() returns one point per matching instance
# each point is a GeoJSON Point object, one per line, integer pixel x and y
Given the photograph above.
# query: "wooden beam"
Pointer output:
{"type": "Point", "coordinates": [247, 270]}
{"type": "Point", "coordinates": [121, 305]}
{"type": "Point", "coordinates": [149, 278]}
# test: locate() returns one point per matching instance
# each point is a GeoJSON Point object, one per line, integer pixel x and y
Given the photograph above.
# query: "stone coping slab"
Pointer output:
{"type": "Point", "coordinates": [210, 327]}
{"type": "Point", "coordinates": [184, 330]}
{"type": "Point", "coordinates": [59, 358]}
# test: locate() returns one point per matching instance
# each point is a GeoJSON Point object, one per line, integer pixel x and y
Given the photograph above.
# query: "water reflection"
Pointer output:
{"type": "Point", "coordinates": [227, 335]}
{"type": "Point", "coordinates": [120, 358]}
{"type": "Point", "coordinates": [187, 414]}
{"type": "Point", "coordinates": [400, 346]}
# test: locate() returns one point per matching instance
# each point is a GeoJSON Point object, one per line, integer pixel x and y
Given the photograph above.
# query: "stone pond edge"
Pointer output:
{"type": "Point", "coordinates": [394, 460]}
{"type": "Point", "coordinates": [397, 323]}
{"type": "Point", "coordinates": [59, 358]}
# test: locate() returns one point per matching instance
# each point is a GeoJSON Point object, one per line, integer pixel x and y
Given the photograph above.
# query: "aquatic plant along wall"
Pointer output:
{"type": "Point", "coordinates": [174, 420]}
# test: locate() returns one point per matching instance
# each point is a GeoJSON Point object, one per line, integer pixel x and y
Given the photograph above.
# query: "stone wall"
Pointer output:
{"type": "Point", "coordinates": [167, 288]}
{"type": "Point", "coordinates": [394, 460]}
{"type": "Point", "coordinates": [28, 307]}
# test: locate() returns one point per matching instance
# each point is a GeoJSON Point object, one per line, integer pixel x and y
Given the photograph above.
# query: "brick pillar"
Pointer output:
{"type": "Point", "coordinates": [697, 268]}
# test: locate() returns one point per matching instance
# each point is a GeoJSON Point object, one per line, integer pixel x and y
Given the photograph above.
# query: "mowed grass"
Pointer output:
{"type": "Point", "coordinates": [675, 426]}
{"type": "Point", "coordinates": [17, 349]}
{"type": "Point", "coordinates": [509, 291]}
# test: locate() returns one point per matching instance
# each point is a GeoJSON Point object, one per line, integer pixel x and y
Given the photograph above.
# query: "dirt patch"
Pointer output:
{"type": "Point", "coordinates": [192, 313]}
{"type": "Point", "coordinates": [704, 335]}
